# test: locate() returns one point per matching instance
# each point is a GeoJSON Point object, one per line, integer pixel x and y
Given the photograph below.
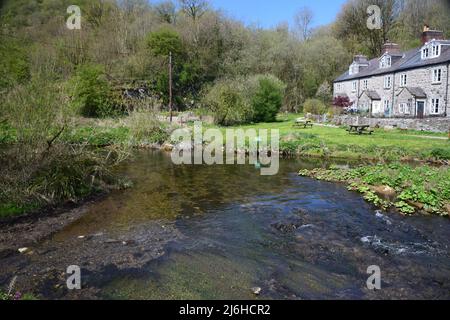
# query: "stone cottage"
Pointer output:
{"type": "Point", "coordinates": [411, 84]}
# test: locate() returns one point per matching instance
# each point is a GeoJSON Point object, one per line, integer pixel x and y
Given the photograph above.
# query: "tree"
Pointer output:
{"type": "Point", "coordinates": [324, 92]}
{"type": "Point", "coordinates": [228, 101]}
{"type": "Point", "coordinates": [91, 92]}
{"type": "Point", "coordinates": [165, 41]}
{"type": "Point", "coordinates": [194, 8]}
{"type": "Point", "coordinates": [267, 99]}
{"type": "Point", "coordinates": [166, 11]}
{"type": "Point", "coordinates": [303, 20]}
{"type": "Point", "coordinates": [351, 26]}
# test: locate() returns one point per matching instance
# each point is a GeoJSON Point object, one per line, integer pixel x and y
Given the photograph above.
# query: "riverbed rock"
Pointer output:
{"type": "Point", "coordinates": [256, 291]}
{"type": "Point", "coordinates": [447, 208]}
{"type": "Point", "coordinates": [168, 147]}
{"type": "Point", "coordinates": [418, 205]}
{"type": "Point", "coordinates": [24, 250]}
{"type": "Point", "coordinates": [385, 191]}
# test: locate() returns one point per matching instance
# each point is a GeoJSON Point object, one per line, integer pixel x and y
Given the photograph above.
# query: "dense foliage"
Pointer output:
{"type": "Point", "coordinates": [91, 93]}
{"type": "Point", "coordinates": [244, 100]}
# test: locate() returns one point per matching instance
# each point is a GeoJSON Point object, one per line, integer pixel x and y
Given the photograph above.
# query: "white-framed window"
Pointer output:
{"type": "Point", "coordinates": [404, 108]}
{"type": "Point", "coordinates": [435, 50]}
{"type": "Point", "coordinates": [387, 82]}
{"type": "Point", "coordinates": [385, 62]}
{"type": "Point", "coordinates": [403, 80]}
{"type": "Point", "coordinates": [387, 105]}
{"type": "Point", "coordinates": [437, 75]}
{"type": "Point", "coordinates": [435, 106]}
{"type": "Point", "coordinates": [425, 53]}
{"type": "Point", "coordinates": [354, 86]}
{"type": "Point", "coordinates": [407, 108]}
{"type": "Point", "coordinates": [365, 84]}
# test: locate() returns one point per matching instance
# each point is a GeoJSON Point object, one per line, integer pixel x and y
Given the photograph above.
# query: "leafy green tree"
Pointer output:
{"type": "Point", "coordinates": [91, 92]}
{"type": "Point", "coordinates": [267, 99]}
{"type": "Point", "coordinates": [165, 41]}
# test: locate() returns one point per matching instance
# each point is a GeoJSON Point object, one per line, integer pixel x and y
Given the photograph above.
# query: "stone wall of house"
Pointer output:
{"type": "Point", "coordinates": [420, 77]}
{"type": "Point", "coordinates": [428, 124]}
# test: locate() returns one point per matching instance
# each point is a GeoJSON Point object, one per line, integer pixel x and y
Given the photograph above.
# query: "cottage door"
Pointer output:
{"type": "Point", "coordinates": [420, 109]}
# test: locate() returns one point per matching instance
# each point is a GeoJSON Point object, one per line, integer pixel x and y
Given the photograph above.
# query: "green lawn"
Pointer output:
{"type": "Point", "coordinates": [337, 142]}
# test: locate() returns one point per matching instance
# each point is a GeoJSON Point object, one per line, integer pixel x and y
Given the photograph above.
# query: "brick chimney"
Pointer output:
{"type": "Point", "coordinates": [391, 48]}
{"type": "Point", "coordinates": [360, 59]}
{"type": "Point", "coordinates": [429, 34]}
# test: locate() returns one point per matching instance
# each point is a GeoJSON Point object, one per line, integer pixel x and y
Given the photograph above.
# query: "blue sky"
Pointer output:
{"type": "Point", "coordinates": [268, 13]}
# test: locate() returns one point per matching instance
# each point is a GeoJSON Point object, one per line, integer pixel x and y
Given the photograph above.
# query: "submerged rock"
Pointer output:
{"type": "Point", "coordinates": [24, 250]}
{"type": "Point", "coordinates": [256, 291]}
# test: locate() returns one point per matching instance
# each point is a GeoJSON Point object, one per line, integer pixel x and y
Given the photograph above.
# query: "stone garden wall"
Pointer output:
{"type": "Point", "coordinates": [427, 124]}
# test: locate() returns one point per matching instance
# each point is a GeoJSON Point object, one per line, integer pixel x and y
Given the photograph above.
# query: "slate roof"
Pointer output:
{"type": "Point", "coordinates": [411, 60]}
{"type": "Point", "coordinates": [415, 92]}
{"type": "Point", "coordinates": [373, 95]}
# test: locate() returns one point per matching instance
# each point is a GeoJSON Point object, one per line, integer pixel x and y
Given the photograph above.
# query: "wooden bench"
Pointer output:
{"type": "Point", "coordinates": [303, 124]}
{"type": "Point", "coordinates": [360, 129]}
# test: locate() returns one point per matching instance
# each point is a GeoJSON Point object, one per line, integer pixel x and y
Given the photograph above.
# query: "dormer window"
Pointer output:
{"type": "Point", "coordinates": [431, 50]}
{"type": "Point", "coordinates": [385, 62]}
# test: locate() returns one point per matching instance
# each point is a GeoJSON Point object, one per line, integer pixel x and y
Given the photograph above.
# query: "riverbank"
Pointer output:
{"type": "Point", "coordinates": [142, 130]}
{"type": "Point", "coordinates": [409, 190]}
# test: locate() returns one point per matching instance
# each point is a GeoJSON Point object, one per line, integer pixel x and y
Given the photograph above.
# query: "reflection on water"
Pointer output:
{"type": "Point", "coordinates": [294, 237]}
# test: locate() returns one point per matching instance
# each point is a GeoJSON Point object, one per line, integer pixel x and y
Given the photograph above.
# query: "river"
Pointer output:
{"type": "Point", "coordinates": [216, 232]}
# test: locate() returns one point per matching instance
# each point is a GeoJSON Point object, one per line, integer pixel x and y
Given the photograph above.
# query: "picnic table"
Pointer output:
{"type": "Point", "coordinates": [360, 129]}
{"type": "Point", "coordinates": [301, 123]}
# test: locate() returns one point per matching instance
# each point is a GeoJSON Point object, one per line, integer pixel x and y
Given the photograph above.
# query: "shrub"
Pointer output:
{"type": "Point", "coordinates": [91, 93]}
{"type": "Point", "coordinates": [145, 128]}
{"type": "Point", "coordinates": [267, 98]}
{"type": "Point", "coordinates": [314, 106]}
{"type": "Point", "coordinates": [245, 100]}
{"type": "Point", "coordinates": [440, 153]}
{"type": "Point", "coordinates": [342, 102]}
{"type": "Point", "coordinates": [228, 102]}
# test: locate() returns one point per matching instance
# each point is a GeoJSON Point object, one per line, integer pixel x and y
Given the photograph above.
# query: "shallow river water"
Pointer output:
{"type": "Point", "coordinates": [294, 237]}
